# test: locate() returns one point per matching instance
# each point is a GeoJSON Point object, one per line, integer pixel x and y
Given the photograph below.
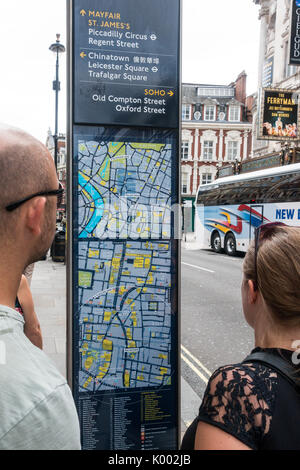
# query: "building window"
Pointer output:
{"type": "Point", "coordinates": [186, 112]}
{"type": "Point", "coordinates": [289, 69]}
{"type": "Point", "coordinates": [215, 91]}
{"type": "Point", "coordinates": [209, 114]}
{"type": "Point", "coordinates": [184, 183]}
{"type": "Point", "coordinates": [232, 150]}
{"type": "Point", "coordinates": [208, 148]}
{"type": "Point", "coordinates": [185, 150]}
{"type": "Point", "coordinates": [206, 178]}
{"type": "Point", "coordinates": [234, 113]}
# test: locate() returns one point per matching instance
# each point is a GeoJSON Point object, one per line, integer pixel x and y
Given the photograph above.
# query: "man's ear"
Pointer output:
{"type": "Point", "coordinates": [34, 215]}
{"type": "Point", "coordinates": [252, 292]}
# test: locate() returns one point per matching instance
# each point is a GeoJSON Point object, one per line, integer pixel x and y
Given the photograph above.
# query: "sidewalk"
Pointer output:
{"type": "Point", "coordinates": [48, 287]}
{"type": "Point", "coordinates": [188, 242]}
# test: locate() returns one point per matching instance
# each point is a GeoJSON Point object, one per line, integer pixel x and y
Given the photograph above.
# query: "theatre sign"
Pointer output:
{"type": "Point", "coordinates": [279, 115]}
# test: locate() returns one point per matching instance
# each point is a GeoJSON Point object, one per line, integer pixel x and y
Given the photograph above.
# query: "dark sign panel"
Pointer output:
{"type": "Point", "coordinates": [126, 66]}
{"type": "Point", "coordinates": [295, 33]}
{"type": "Point", "coordinates": [279, 115]}
{"type": "Point", "coordinates": [123, 246]}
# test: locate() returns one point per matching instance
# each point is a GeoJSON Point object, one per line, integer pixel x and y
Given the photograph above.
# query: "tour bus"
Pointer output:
{"type": "Point", "coordinates": [229, 208]}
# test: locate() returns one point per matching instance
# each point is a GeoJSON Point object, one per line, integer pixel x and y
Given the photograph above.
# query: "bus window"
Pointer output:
{"type": "Point", "coordinates": [207, 195]}
{"type": "Point", "coordinates": [286, 190]}
{"type": "Point", "coordinates": [275, 188]}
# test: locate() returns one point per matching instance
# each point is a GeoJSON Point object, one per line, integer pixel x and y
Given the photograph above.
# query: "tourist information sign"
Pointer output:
{"type": "Point", "coordinates": [126, 63]}
{"type": "Point", "coordinates": [123, 247]}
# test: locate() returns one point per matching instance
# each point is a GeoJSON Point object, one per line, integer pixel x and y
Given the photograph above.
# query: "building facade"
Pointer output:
{"type": "Point", "coordinates": [216, 131]}
{"type": "Point", "coordinates": [274, 70]}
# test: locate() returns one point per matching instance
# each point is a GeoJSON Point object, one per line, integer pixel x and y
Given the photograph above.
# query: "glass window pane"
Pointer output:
{"type": "Point", "coordinates": [186, 112]}
{"type": "Point", "coordinates": [232, 151]}
{"type": "Point", "coordinates": [184, 183]}
{"type": "Point", "coordinates": [185, 147]}
{"type": "Point", "coordinates": [206, 178]}
{"type": "Point", "coordinates": [209, 113]}
{"type": "Point", "coordinates": [208, 147]}
{"type": "Point", "coordinates": [234, 113]}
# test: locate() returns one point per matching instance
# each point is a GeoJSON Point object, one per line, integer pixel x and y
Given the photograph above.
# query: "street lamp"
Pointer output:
{"type": "Point", "coordinates": [57, 48]}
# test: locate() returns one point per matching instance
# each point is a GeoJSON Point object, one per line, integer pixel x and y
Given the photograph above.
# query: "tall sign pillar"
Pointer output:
{"type": "Point", "coordinates": [124, 201]}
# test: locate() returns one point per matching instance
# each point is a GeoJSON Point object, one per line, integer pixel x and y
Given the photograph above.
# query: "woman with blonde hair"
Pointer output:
{"type": "Point", "coordinates": [256, 404]}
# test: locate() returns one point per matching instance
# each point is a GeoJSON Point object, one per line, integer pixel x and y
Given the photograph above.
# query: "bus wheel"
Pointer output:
{"type": "Point", "coordinates": [230, 245]}
{"type": "Point", "coordinates": [216, 242]}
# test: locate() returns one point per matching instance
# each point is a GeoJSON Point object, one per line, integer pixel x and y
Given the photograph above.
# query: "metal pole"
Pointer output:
{"type": "Point", "coordinates": [70, 286]}
{"type": "Point", "coordinates": [57, 48]}
{"type": "Point", "coordinates": [56, 111]}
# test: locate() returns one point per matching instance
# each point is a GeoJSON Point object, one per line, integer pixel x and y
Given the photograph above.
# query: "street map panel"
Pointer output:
{"type": "Point", "coordinates": [124, 190]}
{"type": "Point", "coordinates": [124, 264]}
{"type": "Point", "coordinates": [125, 316]}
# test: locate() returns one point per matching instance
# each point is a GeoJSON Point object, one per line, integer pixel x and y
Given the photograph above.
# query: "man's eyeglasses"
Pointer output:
{"type": "Point", "coordinates": [261, 232]}
{"type": "Point", "coordinates": [55, 192]}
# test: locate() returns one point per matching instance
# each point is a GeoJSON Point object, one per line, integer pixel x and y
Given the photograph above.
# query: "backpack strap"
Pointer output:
{"type": "Point", "coordinates": [279, 364]}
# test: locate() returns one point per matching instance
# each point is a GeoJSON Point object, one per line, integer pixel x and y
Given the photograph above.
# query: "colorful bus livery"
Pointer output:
{"type": "Point", "coordinates": [243, 213]}
{"type": "Point", "coordinates": [229, 209]}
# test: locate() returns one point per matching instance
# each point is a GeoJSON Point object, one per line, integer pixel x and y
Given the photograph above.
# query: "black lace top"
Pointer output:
{"type": "Point", "coordinates": [252, 403]}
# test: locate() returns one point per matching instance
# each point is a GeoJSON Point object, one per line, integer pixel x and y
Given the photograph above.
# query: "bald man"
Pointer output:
{"type": "Point", "coordinates": [37, 410]}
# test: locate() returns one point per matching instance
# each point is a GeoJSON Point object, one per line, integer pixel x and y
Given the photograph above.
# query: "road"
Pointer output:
{"type": "Point", "coordinates": [213, 329]}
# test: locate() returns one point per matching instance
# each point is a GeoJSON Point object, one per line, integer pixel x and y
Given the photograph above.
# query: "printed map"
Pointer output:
{"type": "Point", "coordinates": [125, 314]}
{"type": "Point", "coordinates": [124, 265]}
{"type": "Point", "coordinates": [124, 190]}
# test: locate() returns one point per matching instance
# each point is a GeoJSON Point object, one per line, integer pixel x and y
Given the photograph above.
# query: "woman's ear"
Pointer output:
{"type": "Point", "coordinates": [252, 292]}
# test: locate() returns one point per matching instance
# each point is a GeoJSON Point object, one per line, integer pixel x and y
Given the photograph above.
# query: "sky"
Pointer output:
{"type": "Point", "coordinates": [220, 39]}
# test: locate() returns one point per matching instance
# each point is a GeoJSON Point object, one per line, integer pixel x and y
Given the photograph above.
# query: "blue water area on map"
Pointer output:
{"type": "Point", "coordinates": [99, 206]}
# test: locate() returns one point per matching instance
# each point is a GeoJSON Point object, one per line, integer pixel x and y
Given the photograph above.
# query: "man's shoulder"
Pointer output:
{"type": "Point", "coordinates": [27, 378]}
{"type": "Point", "coordinates": [25, 362]}
{"type": "Point", "coordinates": [51, 424]}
